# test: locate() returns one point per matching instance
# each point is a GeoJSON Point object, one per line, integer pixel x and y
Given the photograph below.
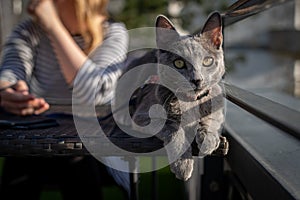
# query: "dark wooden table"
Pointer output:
{"type": "Point", "coordinates": [64, 140]}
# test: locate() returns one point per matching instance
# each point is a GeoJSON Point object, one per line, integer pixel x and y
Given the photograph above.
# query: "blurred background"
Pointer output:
{"type": "Point", "coordinates": [261, 51]}
{"type": "Point", "coordinates": [262, 54]}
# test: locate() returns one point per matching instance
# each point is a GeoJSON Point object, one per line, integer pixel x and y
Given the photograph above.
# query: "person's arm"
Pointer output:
{"type": "Point", "coordinates": [16, 69]}
{"type": "Point", "coordinates": [97, 78]}
{"type": "Point", "coordinates": [18, 54]}
{"type": "Point", "coordinates": [68, 53]}
{"type": "Point", "coordinates": [98, 71]}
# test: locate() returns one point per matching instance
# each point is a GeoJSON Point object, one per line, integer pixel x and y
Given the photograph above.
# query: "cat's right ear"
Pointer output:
{"type": "Point", "coordinates": [212, 30]}
{"type": "Point", "coordinates": [165, 32]}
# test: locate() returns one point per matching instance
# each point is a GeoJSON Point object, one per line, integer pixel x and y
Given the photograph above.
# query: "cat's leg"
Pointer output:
{"type": "Point", "coordinates": [183, 167]}
{"type": "Point", "coordinates": [179, 152]}
{"type": "Point", "coordinates": [212, 117]}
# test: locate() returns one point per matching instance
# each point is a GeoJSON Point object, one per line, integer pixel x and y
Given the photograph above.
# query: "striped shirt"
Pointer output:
{"type": "Point", "coordinates": [28, 55]}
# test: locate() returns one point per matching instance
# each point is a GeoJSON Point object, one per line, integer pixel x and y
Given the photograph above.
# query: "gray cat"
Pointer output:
{"type": "Point", "coordinates": [199, 59]}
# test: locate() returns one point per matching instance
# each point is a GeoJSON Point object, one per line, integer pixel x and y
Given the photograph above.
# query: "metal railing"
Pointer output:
{"type": "Point", "coordinates": [278, 115]}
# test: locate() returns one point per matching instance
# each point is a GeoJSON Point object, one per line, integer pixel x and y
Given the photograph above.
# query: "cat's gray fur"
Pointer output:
{"type": "Point", "coordinates": [205, 82]}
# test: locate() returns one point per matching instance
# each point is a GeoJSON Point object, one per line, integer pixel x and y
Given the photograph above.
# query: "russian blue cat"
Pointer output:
{"type": "Point", "coordinates": [199, 59]}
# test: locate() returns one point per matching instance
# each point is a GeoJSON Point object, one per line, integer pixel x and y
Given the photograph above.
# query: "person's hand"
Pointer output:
{"type": "Point", "coordinates": [45, 13]}
{"type": "Point", "coordinates": [17, 100]}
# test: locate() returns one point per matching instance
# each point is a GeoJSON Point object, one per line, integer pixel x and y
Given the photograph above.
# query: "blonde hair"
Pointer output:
{"type": "Point", "coordinates": [88, 12]}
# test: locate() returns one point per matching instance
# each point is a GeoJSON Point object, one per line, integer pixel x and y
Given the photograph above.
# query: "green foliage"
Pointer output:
{"type": "Point", "coordinates": [139, 13]}
{"type": "Point", "coordinates": [166, 185]}
{"type": "Point", "coordinates": [1, 165]}
{"type": "Point", "coordinates": [50, 195]}
{"type": "Point", "coordinates": [142, 13]}
{"type": "Point", "coordinates": [113, 192]}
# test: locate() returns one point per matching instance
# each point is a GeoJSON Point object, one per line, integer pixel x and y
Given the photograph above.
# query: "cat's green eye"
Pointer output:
{"type": "Point", "coordinates": [208, 61]}
{"type": "Point", "coordinates": [179, 63]}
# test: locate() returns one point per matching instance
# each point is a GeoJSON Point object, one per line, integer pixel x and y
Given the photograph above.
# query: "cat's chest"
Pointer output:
{"type": "Point", "coordinates": [185, 113]}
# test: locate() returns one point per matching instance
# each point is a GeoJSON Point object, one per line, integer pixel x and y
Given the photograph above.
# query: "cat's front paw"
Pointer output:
{"type": "Point", "coordinates": [182, 168]}
{"type": "Point", "coordinates": [207, 142]}
{"type": "Point", "coordinates": [223, 147]}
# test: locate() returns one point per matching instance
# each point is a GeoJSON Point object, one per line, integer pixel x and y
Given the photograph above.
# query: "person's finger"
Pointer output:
{"type": "Point", "coordinates": [42, 109]}
{"type": "Point", "coordinates": [27, 111]}
{"type": "Point", "coordinates": [21, 112]}
{"type": "Point", "coordinates": [11, 95]}
{"type": "Point", "coordinates": [36, 103]}
{"type": "Point", "coordinates": [15, 105]}
{"type": "Point", "coordinates": [21, 86]}
{"type": "Point", "coordinates": [36, 106]}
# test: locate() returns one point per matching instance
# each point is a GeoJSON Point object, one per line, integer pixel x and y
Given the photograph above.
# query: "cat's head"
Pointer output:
{"type": "Point", "coordinates": [198, 57]}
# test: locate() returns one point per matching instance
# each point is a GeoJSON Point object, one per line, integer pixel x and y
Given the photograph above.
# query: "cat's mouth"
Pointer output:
{"type": "Point", "coordinates": [201, 94]}
{"type": "Point", "coordinates": [194, 95]}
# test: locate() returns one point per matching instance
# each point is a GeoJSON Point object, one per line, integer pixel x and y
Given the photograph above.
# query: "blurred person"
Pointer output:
{"type": "Point", "coordinates": [65, 40]}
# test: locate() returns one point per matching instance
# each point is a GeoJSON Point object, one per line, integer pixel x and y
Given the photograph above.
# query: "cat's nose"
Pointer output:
{"type": "Point", "coordinates": [197, 83]}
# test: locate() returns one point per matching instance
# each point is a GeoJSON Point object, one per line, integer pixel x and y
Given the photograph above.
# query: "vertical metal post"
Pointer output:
{"type": "Point", "coordinates": [297, 15]}
{"type": "Point", "coordinates": [193, 185]}
{"type": "Point", "coordinates": [2, 27]}
{"type": "Point", "coordinates": [134, 176]}
{"type": "Point", "coordinates": [297, 78]}
{"type": "Point", "coordinates": [8, 19]}
{"type": "Point", "coordinates": [213, 178]}
{"type": "Point", "coordinates": [297, 62]}
{"type": "Point", "coordinates": [154, 180]}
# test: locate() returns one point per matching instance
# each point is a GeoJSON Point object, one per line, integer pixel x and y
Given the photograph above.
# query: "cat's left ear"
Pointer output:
{"type": "Point", "coordinates": [165, 32]}
{"type": "Point", "coordinates": [212, 30]}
